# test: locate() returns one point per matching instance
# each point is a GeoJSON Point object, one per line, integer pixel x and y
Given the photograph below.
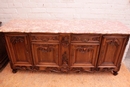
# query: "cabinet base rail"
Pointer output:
{"type": "Point", "coordinates": [59, 70]}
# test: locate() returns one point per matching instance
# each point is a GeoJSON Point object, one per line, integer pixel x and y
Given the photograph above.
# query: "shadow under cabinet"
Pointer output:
{"type": "Point", "coordinates": [3, 54]}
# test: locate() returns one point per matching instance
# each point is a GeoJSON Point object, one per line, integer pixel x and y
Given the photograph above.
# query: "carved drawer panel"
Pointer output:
{"type": "Point", "coordinates": [85, 38]}
{"type": "Point", "coordinates": [45, 37]}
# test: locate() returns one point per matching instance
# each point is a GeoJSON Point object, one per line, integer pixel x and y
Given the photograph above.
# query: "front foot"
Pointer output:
{"type": "Point", "coordinates": [14, 70]}
{"type": "Point", "coordinates": [115, 73]}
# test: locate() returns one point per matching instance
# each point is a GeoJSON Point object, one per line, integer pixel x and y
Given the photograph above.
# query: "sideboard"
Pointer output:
{"type": "Point", "coordinates": [65, 46]}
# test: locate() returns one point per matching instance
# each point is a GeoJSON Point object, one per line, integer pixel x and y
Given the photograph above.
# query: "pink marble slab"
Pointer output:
{"type": "Point", "coordinates": [65, 26]}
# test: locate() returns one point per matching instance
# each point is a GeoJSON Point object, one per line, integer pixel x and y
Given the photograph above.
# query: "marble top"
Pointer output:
{"type": "Point", "coordinates": [65, 26]}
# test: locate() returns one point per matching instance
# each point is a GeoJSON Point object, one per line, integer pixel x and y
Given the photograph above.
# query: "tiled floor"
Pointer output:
{"type": "Point", "coordinates": [127, 59]}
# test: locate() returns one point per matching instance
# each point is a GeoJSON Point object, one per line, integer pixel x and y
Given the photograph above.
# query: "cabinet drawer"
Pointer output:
{"type": "Point", "coordinates": [45, 37]}
{"type": "Point", "coordinates": [85, 38]}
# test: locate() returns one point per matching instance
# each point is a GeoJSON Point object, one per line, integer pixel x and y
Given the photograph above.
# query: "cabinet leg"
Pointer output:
{"type": "Point", "coordinates": [14, 70]}
{"type": "Point", "coordinates": [115, 73]}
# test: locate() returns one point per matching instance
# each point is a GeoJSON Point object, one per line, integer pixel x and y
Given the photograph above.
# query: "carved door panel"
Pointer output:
{"type": "Point", "coordinates": [19, 50]}
{"type": "Point", "coordinates": [45, 55]}
{"type": "Point", "coordinates": [84, 55]}
{"type": "Point", "coordinates": [112, 51]}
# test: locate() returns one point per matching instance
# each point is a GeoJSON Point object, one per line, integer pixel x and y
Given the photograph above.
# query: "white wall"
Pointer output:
{"type": "Point", "coordinates": [66, 9]}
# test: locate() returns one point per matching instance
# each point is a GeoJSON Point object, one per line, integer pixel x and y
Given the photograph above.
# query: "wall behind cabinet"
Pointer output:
{"type": "Point", "coordinates": [66, 9]}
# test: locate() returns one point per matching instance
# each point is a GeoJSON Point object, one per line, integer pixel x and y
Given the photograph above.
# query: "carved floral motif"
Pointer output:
{"type": "Point", "coordinates": [16, 39]}
{"type": "Point", "coordinates": [65, 41]}
{"type": "Point", "coordinates": [32, 68]}
{"type": "Point", "coordinates": [77, 70]}
{"type": "Point", "coordinates": [45, 38]}
{"type": "Point", "coordinates": [84, 48]}
{"type": "Point", "coordinates": [46, 48]}
{"type": "Point", "coordinates": [81, 69]}
{"type": "Point", "coordinates": [85, 39]}
{"type": "Point", "coordinates": [65, 66]}
{"type": "Point", "coordinates": [52, 69]}
{"type": "Point", "coordinates": [96, 38]}
{"type": "Point", "coordinates": [113, 41]}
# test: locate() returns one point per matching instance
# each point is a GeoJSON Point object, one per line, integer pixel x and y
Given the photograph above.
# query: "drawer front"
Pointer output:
{"type": "Point", "coordinates": [85, 38]}
{"type": "Point", "coordinates": [45, 37]}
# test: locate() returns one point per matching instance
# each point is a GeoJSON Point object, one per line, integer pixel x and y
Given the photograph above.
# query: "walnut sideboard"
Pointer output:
{"type": "Point", "coordinates": [65, 46]}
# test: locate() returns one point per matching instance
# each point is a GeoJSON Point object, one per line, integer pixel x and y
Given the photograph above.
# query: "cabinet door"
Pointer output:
{"type": "Point", "coordinates": [84, 55]}
{"type": "Point", "coordinates": [112, 50]}
{"type": "Point", "coordinates": [45, 54]}
{"type": "Point", "coordinates": [19, 50]}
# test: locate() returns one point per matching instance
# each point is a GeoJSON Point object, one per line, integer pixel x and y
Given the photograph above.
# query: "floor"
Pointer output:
{"type": "Point", "coordinates": [42, 79]}
{"type": "Point", "coordinates": [127, 59]}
